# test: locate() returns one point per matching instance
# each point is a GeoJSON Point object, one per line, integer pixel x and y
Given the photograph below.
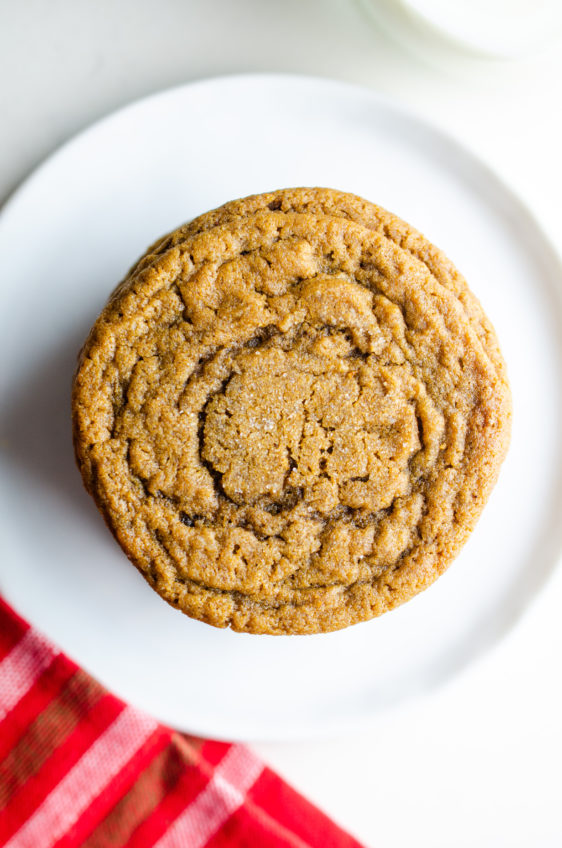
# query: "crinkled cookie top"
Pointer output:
{"type": "Point", "coordinates": [291, 413]}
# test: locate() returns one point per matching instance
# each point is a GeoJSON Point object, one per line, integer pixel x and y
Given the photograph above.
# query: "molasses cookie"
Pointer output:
{"type": "Point", "coordinates": [291, 413]}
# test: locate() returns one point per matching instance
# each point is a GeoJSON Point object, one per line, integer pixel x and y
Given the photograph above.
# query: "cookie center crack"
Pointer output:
{"type": "Point", "coordinates": [312, 423]}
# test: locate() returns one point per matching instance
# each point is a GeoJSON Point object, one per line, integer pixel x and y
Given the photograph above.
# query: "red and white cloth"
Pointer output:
{"type": "Point", "coordinates": [78, 767]}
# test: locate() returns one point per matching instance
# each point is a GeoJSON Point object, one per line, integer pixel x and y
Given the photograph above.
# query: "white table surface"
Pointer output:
{"type": "Point", "coordinates": [479, 762]}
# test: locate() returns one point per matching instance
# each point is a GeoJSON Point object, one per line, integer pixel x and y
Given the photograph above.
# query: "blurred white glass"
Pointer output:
{"type": "Point", "coordinates": [501, 29]}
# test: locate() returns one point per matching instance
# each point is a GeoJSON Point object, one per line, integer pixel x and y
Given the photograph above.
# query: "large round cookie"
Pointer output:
{"type": "Point", "coordinates": [290, 415]}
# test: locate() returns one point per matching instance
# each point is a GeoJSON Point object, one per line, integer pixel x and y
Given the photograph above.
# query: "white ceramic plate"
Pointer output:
{"type": "Point", "coordinates": [70, 233]}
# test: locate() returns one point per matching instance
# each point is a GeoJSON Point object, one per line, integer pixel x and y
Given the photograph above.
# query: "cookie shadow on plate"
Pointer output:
{"type": "Point", "coordinates": [36, 431]}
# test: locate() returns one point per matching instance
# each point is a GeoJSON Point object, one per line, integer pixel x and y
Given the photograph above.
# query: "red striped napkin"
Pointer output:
{"type": "Point", "coordinates": [80, 767]}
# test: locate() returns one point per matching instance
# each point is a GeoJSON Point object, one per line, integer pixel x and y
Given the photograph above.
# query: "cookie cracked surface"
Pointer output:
{"type": "Point", "coordinates": [291, 413]}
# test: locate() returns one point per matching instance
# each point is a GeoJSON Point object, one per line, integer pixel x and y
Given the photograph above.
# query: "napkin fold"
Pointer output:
{"type": "Point", "coordinates": [79, 767]}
